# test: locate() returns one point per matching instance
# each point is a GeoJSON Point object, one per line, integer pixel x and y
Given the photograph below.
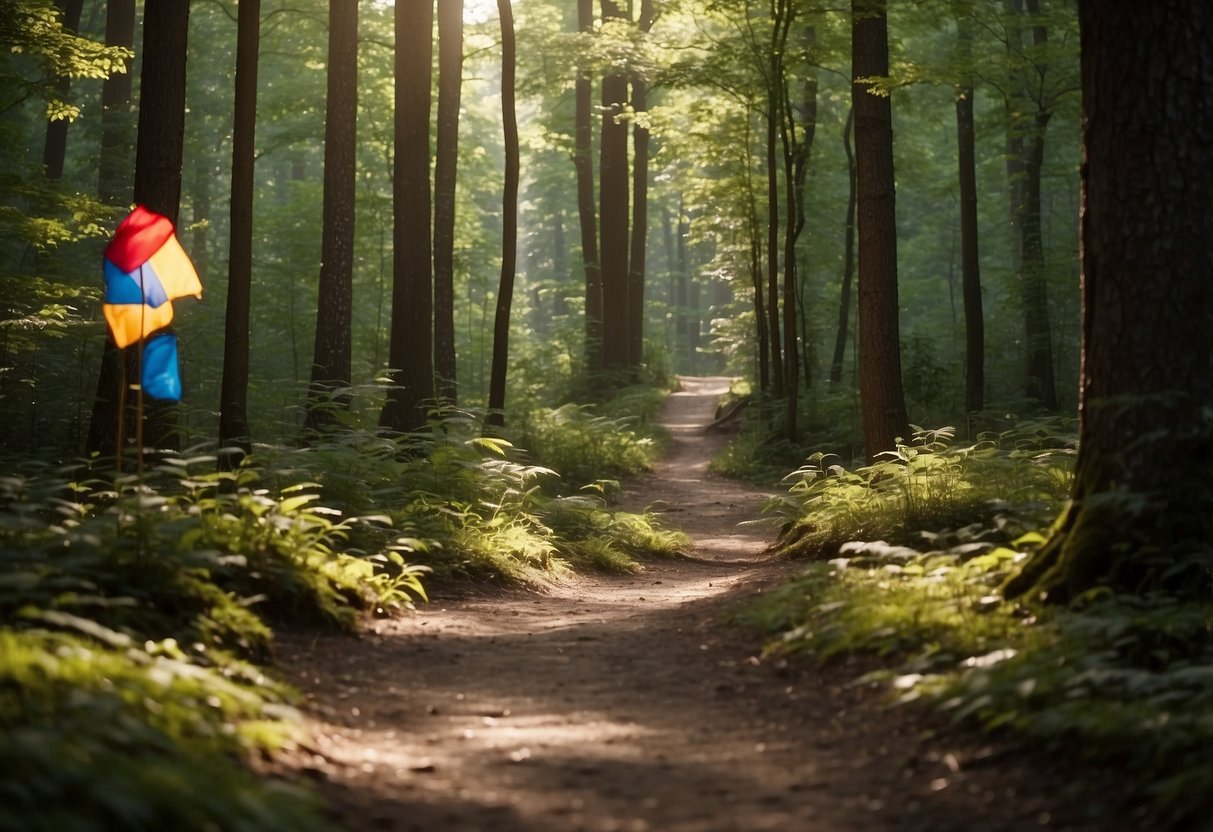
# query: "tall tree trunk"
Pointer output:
{"type": "Point", "coordinates": [54, 151]}
{"type": "Point", "coordinates": [1027, 119]}
{"type": "Point", "coordinates": [613, 176]}
{"type": "Point", "coordinates": [113, 187]}
{"type": "Point", "coordinates": [509, 221]}
{"type": "Point", "coordinates": [970, 264]}
{"type": "Point", "coordinates": [774, 102]}
{"type": "Point", "coordinates": [756, 276]}
{"type": "Point", "coordinates": [640, 206]}
{"type": "Point", "coordinates": [793, 172]}
{"type": "Point", "coordinates": [1141, 514]}
{"type": "Point", "coordinates": [450, 83]}
{"type": "Point", "coordinates": [411, 350]}
{"type": "Point", "coordinates": [848, 258]}
{"type": "Point", "coordinates": [884, 409]}
{"type": "Point", "coordinates": [800, 170]}
{"type": "Point", "coordinates": [157, 186]}
{"type": "Point", "coordinates": [332, 351]}
{"type": "Point", "coordinates": [586, 208]}
{"type": "Point", "coordinates": [113, 177]}
{"type": "Point", "coordinates": [233, 397]}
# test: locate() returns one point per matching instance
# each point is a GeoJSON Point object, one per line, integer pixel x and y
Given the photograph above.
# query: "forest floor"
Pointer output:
{"type": "Point", "coordinates": [625, 702]}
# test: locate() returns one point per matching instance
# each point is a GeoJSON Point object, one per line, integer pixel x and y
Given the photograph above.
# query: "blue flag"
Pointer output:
{"type": "Point", "coordinates": [161, 376]}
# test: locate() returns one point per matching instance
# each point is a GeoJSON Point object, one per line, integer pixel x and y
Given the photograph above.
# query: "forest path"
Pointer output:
{"type": "Point", "coordinates": [623, 703]}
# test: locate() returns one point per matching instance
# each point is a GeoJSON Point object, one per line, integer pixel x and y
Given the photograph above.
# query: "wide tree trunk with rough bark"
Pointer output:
{"type": "Point", "coordinates": [411, 349]}
{"type": "Point", "coordinates": [1141, 513]}
{"type": "Point", "coordinates": [884, 409]}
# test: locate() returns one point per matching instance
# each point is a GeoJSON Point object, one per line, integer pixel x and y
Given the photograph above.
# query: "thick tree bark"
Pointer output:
{"type": "Point", "coordinates": [848, 258]}
{"type": "Point", "coordinates": [970, 265]}
{"type": "Point", "coordinates": [450, 83]}
{"type": "Point", "coordinates": [54, 150]}
{"type": "Point", "coordinates": [884, 409]}
{"type": "Point", "coordinates": [332, 351]}
{"type": "Point", "coordinates": [613, 211]}
{"type": "Point", "coordinates": [509, 222]}
{"type": "Point", "coordinates": [1141, 514]}
{"type": "Point", "coordinates": [233, 397]}
{"type": "Point", "coordinates": [586, 207]}
{"type": "Point", "coordinates": [411, 350]}
{"type": "Point", "coordinates": [113, 178]}
{"type": "Point", "coordinates": [157, 186]}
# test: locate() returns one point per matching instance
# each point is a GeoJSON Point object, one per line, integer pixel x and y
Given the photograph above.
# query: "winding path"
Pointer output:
{"type": "Point", "coordinates": [623, 703]}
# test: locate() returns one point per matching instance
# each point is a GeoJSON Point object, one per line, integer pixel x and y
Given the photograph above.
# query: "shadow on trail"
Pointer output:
{"type": "Point", "coordinates": [613, 716]}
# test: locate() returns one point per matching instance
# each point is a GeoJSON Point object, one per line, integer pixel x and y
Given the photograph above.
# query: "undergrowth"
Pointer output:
{"type": "Point", "coordinates": [135, 610]}
{"type": "Point", "coordinates": [909, 557]}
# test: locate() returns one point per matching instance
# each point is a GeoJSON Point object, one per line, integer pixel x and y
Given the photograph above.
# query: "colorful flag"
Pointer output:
{"type": "Point", "coordinates": [161, 376]}
{"type": "Point", "coordinates": [145, 268]}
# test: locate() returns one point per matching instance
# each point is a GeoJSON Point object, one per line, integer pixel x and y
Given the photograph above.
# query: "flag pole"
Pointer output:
{"type": "Point", "coordinates": [121, 439]}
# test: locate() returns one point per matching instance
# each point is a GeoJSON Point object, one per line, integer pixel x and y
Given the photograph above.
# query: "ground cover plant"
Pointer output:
{"type": "Point", "coordinates": [908, 558]}
{"type": "Point", "coordinates": [137, 611]}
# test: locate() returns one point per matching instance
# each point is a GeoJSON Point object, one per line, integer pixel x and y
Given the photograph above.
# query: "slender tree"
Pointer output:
{"type": "Point", "coordinates": [613, 210]}
{"type": "Point", "coordinates": [114, 179]}
{"type": "Point", "coordinates": [331, 361]}
{"type": "Point", "coordinates": [411, 350]}
{"type": "Point", "coordinates": [54, 150]}
{"type": "Point", "coordinates": [640, 204]}
{"type": "Point", "coordinates": [970, 265]}
{"type": "Point", "coordinates": [1030, 108]}
{"type": "Point", "coordinates": [509, 223]}
{"type": "Point", "coordinates": [848, 257]}
{"type": "Point", "coordinates": [773, 114]}
{"type": "Point", "coordinates": [1140, 517]}
{"type": "Point", "coordinates": [586, 210]}
{"type": "Point", "coordinates": [450, 83]}
{"type": "Point", "coordinates": [884, 409]}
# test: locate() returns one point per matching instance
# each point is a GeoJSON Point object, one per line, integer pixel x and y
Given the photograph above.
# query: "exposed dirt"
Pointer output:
{"type": "Point", "coordinates": [624, 703]}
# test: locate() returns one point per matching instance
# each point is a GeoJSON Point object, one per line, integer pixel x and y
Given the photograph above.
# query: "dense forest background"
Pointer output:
{"type": "Point", "coordinates": [707, 71]}
{"type": "Point", "coordinates": [952, 262]}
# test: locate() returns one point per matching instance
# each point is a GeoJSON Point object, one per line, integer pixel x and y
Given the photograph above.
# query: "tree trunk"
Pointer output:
{"type": "Point", "coordinates": [1027, 119]}
{"type": "Point", "coordinates": [970, 264]}
{"type": "Point", "coordinates": [586, 209]}
{"type": "Point", "coordinates": [640, 207]}
{"type": "Point", "coordinates": [450, 82]}
{"type": "Point", "coordinates": [411, 350]}
{"type": "Point", "coordinates": [113, 177]}
{"type": "Point", "coordinates": [1141, 513]}
{"type": "Point", "coordinates": [613, 174]}
{"type": "Point", "coordinates": [884, 409]}
{"type": "Point", "coordinates": [509, 221]}
{"type": "Point", "coordinates": [848, 258]}
{"type": "Point", "coordinates": [800, 170]}
{"type": "Point", "coordinates": [157, 186]}
{"type": "Point", "coordinates": [233, 398]}
{"type": "Point", "coordinates": [332, 351]}
{"type": "Point", "coordinates": [774, 100]}
{"type": "Point", "coordinates": [54, 151]}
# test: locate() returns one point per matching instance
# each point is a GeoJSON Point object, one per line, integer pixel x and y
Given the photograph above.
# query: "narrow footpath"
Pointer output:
{"type": "Point", "coordinates": [626, 704]}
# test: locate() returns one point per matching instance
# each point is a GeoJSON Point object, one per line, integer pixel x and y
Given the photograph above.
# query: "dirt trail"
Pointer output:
{"type": "Point", "coordinates": [622, 703]}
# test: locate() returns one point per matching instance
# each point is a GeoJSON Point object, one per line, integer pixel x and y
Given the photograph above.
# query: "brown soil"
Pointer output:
{"type": "Point", "coordinates": [624, 703]}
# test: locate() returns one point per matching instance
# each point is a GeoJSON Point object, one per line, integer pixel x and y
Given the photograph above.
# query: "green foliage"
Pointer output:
{"type": "Point", "coordinates": [1000, 486]}
{"type": "Point", "coordinates": [589, 442]}
{"type": "Point", "coordinates": [1122, 680]}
